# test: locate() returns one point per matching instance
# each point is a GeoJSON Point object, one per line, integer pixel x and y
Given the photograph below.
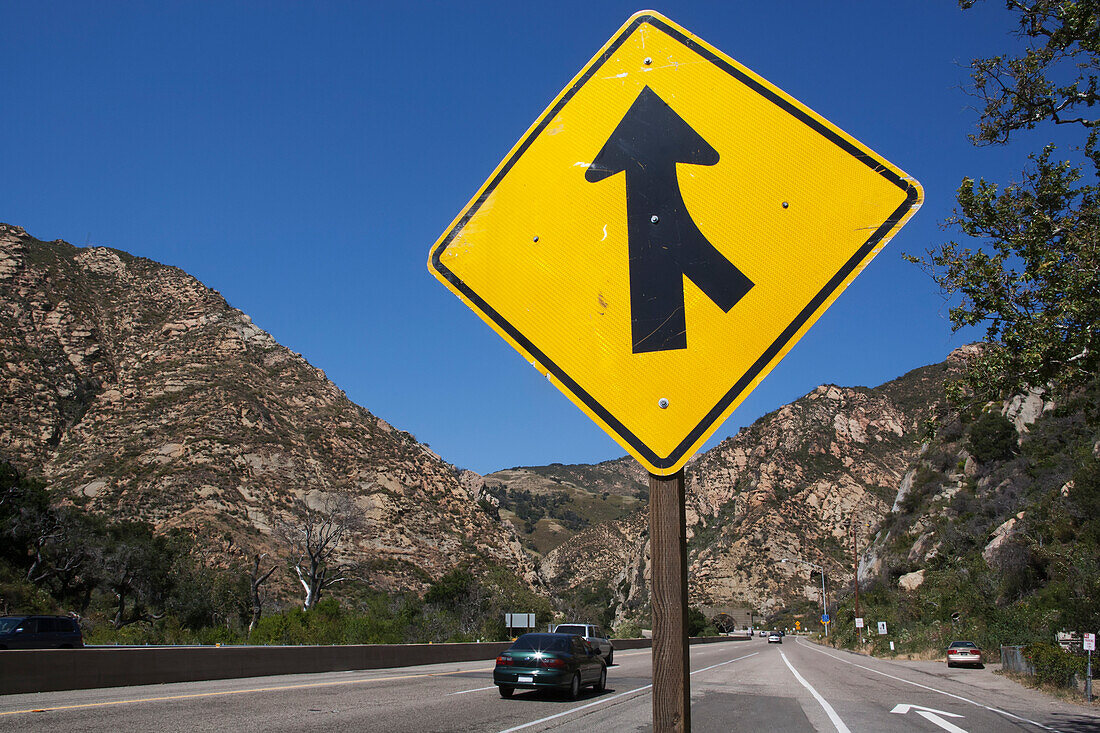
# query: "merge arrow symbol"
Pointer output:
{"type": "Point", "coordinates": [932, 716]}
{"type": "Point", "coordinates": [664, 242]}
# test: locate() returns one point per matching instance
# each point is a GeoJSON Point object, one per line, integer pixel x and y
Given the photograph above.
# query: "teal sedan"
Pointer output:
{"type": "Point", "coordinates": [550, 661]}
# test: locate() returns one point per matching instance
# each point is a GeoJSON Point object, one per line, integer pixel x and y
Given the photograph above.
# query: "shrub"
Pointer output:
{"type": "Point", "coordinates": [628, 630]}
{"type": "Point", "coordinates": [1052, 665]}
{"type": "Point", "coordinates": [992, 438]}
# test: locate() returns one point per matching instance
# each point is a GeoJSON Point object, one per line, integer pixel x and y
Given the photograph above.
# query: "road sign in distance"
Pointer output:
{"type": "Point", "coordinates": [1089, 643]}
{"type": "Point", "coordinates": [882, 627]}
{"type": "Point", "coordinates": [665, 232]}
{"type": "Point", "coordinates": [859, 622]}
{"type": "Point", "coordinates": [824, 618]}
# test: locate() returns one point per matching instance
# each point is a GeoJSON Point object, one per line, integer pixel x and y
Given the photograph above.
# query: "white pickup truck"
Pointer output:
{"type": "Point", "coordinates": [593, 634]}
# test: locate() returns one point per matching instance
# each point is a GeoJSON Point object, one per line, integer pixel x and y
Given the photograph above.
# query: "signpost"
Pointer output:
{"type": "Point", "coordinates": [656, 300]}
{"type": "Point", "coordinates": [859, 625]}
{"type": "Point", "coordinates": [1090, 646]}
{"type": "Point", "coordinates": [882, 628]}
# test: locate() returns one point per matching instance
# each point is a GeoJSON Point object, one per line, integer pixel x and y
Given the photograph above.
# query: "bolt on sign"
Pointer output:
{"type": "Point", "coordinates": [665, 232]}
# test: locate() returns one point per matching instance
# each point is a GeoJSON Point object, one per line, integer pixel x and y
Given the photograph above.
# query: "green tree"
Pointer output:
{"type": "Point", "coordinates": [992, 437]}
{"type": "Point", "coordinates": [136, 568]}
{"type": "Point", "coordinates": [1030, 272]}
{"type": "Point", "coordinates": [696, 622]}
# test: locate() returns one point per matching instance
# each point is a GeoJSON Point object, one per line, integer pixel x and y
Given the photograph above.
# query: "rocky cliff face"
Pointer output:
{"type": "Point", "coordinates": [794, 485]}
{"type": "Point", "coordinates": [138, 392]}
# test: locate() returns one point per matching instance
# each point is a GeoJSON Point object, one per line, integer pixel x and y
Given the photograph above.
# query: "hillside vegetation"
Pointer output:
{"type": "Point", "coordinates": [996, 534]}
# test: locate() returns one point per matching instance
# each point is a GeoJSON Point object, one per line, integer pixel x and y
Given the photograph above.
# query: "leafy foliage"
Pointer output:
{"type": "Point", "coordinates": [131, 584]}
{"type": "Point", "coordinates": [1053, 666]}
{"type": "Point", "coordinates": [992, 438]}
{"type": "Point", "coordinates": [1054, 80]}
{"type": "Point", "coordinates": [1033, 275]}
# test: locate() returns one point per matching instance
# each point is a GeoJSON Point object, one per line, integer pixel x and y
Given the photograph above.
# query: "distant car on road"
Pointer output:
{"type": "Point", "coordinates": [964, 652]}
{"type": "Point", "coordinates": [593, 634]}
{"type": "Point", "coordinates": [556, 661]}
{"type": "Point", "coordinates": [40, 632]}
{"type": "Point", "coordinates": [763, 634]}
{"type": "Point", "coordinates": [775, 638]}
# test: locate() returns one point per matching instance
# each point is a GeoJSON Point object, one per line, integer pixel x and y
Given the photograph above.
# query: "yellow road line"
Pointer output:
{"type": "Point", "coordinates": [238, 692]}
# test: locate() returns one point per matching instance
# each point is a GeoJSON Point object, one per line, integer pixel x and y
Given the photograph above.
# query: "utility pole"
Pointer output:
{"type": "Point", "coordinates": [855, 569]}
{"type": "Point", "coordinates": [824, 602]}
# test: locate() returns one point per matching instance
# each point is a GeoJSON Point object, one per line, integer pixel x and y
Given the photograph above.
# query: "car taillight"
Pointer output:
{"type": "Point", "coordinates": [952, 651]}
{"type": "Point", "coordinates": [505, 661]}
{"type": "Point", "coordinates": [551, 663]}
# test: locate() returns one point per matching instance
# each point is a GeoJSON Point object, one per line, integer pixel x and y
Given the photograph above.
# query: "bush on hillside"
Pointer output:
{"type": "Point", "coordinates": [992, 438]}
{"type": "Point", "coordinates": [1053, 666]}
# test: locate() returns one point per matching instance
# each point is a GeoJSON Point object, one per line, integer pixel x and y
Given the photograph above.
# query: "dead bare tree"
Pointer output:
{"type": "Point", "coordinates": [314, 533]}
{"type": "Point", "coordinates": [256, 581]}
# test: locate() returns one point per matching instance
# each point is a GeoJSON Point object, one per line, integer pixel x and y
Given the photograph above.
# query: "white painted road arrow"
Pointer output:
{"type": "Point", "coordinates": [931, 715]}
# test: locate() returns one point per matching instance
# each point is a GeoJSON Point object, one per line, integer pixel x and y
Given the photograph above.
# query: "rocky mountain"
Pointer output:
{"type": "Point", "coordinates": [137, 392]}
{"type": "Point", "coordinates": [796, 485]}
{"type": "Point", "coordinates": [549, 504]}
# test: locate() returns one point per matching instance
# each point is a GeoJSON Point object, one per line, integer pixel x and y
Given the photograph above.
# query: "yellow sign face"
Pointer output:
{"type": "Point", "coordinates": [665, 232]}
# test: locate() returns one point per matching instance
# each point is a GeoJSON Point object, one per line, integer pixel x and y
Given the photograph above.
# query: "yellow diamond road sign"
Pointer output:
{"type": "Point", "coordinates": [665, 232]}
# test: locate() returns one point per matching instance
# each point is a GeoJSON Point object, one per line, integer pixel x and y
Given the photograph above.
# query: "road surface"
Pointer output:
{"type": "Point", "coordinates": [742, 686]}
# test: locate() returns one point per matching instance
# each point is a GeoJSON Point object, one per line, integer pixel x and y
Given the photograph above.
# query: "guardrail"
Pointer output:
{"type": "Point", "coordinates": [43, 670]}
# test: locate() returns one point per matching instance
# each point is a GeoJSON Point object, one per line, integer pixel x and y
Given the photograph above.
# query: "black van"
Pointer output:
{"type": "Point", "coordinates": [40, 632]}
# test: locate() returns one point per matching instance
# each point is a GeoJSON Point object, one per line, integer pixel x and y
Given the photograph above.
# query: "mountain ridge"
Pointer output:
{"type": "Point", "coordinates": [136, 391]}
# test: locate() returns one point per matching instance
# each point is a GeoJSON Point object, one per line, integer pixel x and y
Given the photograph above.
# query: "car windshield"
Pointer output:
{"type": "Point", "coordinates": [963, 645]}
{"type": "Point", "coordinates": [541, 643]}
{"type": "Point", "coordinates": [10, 624]}
{"type": "Point", "coordinates": [574, 629]}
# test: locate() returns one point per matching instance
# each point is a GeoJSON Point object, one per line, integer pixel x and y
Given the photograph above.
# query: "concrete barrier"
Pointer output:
{"type": "Point", "coordinates": [43, 670]}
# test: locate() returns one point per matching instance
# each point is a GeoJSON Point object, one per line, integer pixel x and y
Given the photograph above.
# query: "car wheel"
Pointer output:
{"type": "Point", "coordinates": [610, 656]}
{"type": "Point", "coordinates": [575, 686]}
{"type": "Point", "coordinates": [601, 685]}
{"type": "Point", "coordinates": [506, 691]}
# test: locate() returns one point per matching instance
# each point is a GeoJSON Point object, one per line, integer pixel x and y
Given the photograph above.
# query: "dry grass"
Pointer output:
{"type": "Point", "coordinates": [1074, 695]}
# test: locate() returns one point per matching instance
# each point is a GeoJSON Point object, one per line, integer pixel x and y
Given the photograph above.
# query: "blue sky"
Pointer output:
{"type": "Point", "coordinates": [302, 158]}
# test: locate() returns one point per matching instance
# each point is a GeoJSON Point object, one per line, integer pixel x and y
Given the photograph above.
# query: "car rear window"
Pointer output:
{"type": "Point", "coordinates": [55, 625]}
{"type": "Point", "coordinates": [963, 645]}
{"type": "Point", "coordinates": [541, 643]}
{"type": "Point", "coordinates": [572, 629]}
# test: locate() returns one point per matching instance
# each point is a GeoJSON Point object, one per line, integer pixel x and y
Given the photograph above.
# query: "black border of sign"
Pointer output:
{"type": "Point", "coordinates": [783, 338]}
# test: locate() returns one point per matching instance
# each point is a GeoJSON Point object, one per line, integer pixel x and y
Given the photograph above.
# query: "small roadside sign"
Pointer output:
{"type": "Point", "coordinates": [824, 618]}
{"type": "Point", "coordinates": [519, 620]}
{"type": "Point", "coordinates": [859, 622]}
{"type": "Point", "coordinates": [882, 628]}
{"type": "Point", "coordinates": [663, 234]}
{"type": "Point", "coordinates": [1090, 642]}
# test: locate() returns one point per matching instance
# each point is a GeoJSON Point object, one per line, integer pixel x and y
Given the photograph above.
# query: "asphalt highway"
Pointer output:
{"type": "Point", "coordinates": [736, 686]}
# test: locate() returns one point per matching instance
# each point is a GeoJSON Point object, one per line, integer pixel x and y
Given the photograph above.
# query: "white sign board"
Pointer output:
{"type": "Point", "coordinates": [1090, 642]}
{"type": "Point", "coordinates": [859, 622]}
{"type": "Point", "coordinates": [882, 627]}
{"type": "Point", "coordinates": [519, 620]}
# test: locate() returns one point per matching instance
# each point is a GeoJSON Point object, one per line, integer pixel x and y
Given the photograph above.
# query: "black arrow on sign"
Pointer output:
{"type": "Point", "coordinates": [664, 242]}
